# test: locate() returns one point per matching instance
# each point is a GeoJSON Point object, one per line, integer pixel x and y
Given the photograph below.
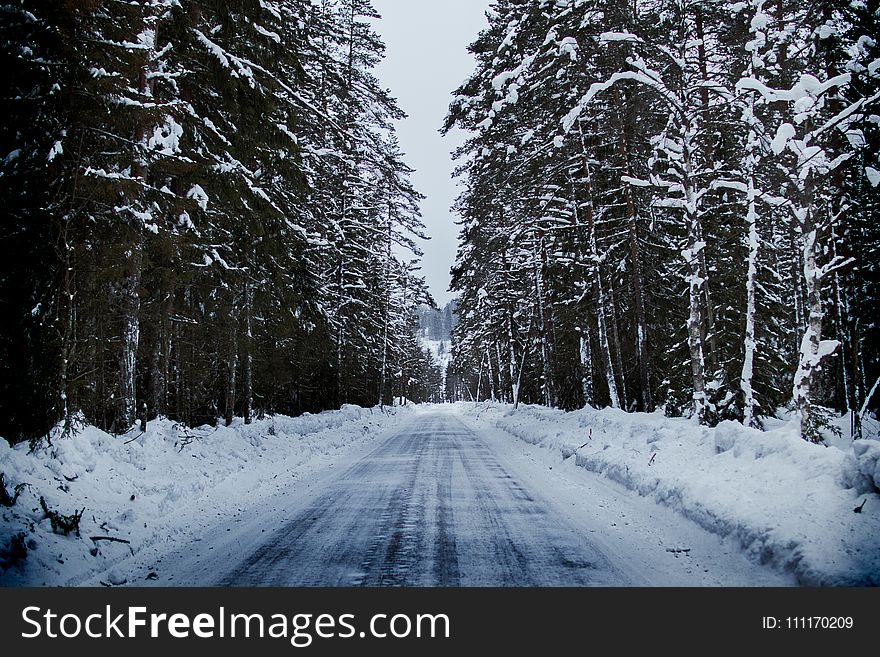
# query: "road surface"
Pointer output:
{"type": "Point", "coordinates": [436, 504]}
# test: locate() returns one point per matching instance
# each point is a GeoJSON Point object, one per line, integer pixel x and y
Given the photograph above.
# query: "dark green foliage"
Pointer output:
{"type": "Point", "coordinates": [32, 110]}
{"type": "Point", "coordinates": [201, 214]}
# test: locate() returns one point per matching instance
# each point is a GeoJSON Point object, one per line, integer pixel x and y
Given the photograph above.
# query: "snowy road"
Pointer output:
{"type": "Point", "coordinates": [438, 505]}
{"type": "Point", "coordinates": [432, 506]}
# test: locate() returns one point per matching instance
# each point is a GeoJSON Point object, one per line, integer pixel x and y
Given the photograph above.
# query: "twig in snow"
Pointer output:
{"type": "Point", "coordinates": [109, 538]}
{"type": "Point", "coordinates": [133, 439]}
{"type": "Point", "coordinates": [588, 442]}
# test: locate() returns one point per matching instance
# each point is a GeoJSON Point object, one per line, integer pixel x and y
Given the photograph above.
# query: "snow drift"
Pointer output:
{"type": "Point", "coordinates": [142, 489]}
{"type": "Point", "coordinates": [788, 502]}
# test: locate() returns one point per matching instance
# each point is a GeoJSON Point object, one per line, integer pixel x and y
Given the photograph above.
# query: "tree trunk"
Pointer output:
{"type": "Point", "coordinates": [479, 380]}
{"type": "Point", "coordinates": [181, 408]}
{"type": "Point", "coordinates": [843, 336]}
{"type": "Point", "coordinates": [750, 342]}
{"type": "Point", "coordinates": [511, 344]}
{"type": "Point", "coordinates": [522, 364]}
{"type": "Point", "coordinates": [615, 345]}
{"type": "Point", "coordinates": [67, 308]}
{"type": "Point", "coordinates": [586, 366]}
{"type": "Point", "coordinates": [709, 146]}
{"type": "Point", "coordinates": [514, 379]}
{"type": "Point", "coordinates": [340, 329]}
{"type": "Point", "coordinates": [704, 74]}
{"type": "Point", "coordinates": [387, 313]}
{"type": "Point", "coordinates": [247, 385]}
{"type": "Point", "coordinates": [708, 327]}
{"type": "Point", "coordinates": [813, 349]}
{"type": "Point", "coordinates": [641, 338]}
{"type": "Point", "coordinates": [129, 286]}
{"type": "Point", "coordinates": [543, 324]}
{"type": "Point", "coordinates": [491, 373]}
{"type": "Point", "coordinates": [156, 382]}
{"type": "Point", "coordinates": [231, 369]}
{"type": "Point", "coordinates": [810, 343]}
{"type": "Point", "coordinates": [696, 279]}
{"type": "Point", "coordinates": [130, 304]}
{"type": "Point", "coordinates": [159, 343]}
{"type": "Point", "coordinates": [638, 294]}
{"type": "Point", "coordinates": [501, 389]}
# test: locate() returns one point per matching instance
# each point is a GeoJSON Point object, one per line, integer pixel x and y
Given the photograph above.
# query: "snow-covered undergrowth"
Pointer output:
{"type": "Point", "coordinates": [789, 503]}
{"type": "Point", "coordinates": [148, 488]}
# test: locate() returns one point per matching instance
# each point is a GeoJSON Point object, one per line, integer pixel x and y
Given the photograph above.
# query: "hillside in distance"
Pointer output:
{"type": "Point", "coordinates": [435, 332]}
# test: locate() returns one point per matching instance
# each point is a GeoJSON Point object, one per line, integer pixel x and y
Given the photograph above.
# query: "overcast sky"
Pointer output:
{"type": "Point", "coordinates": [426, 60]}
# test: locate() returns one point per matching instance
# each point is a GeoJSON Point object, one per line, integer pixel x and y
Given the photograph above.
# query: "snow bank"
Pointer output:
{"type": "Point", "coordinates": [789, 503]}
{"type": "Point", "coordinates": [146, 488]}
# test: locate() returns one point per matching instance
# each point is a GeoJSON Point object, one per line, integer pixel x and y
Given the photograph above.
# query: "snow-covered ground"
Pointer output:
{"type": "Point", "coordinates": [162, 488]}
{"type": "Point", "coordinates": [787, 502]}
{"type": "Point", "coordinates": [769, 495]}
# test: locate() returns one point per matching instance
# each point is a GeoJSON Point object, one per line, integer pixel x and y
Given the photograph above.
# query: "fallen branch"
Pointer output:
{"type": "Point", "coordinates": [109, 538]}
{"type": "Point", "coordinates": [5, 498]}
{"type": "Point", "coordinates": [62, 522]}
{"type": "Point", "coordinates": [868, 397]}
{"type": "Point", "coordinates": [112, 539]}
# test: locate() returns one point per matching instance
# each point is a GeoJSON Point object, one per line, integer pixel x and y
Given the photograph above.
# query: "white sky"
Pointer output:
{"type": "Point", "coordinates": [426, 60]}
